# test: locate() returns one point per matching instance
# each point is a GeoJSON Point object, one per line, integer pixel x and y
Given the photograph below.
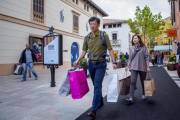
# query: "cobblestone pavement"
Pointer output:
{"type": "Point", "coordinates": [36, 100]}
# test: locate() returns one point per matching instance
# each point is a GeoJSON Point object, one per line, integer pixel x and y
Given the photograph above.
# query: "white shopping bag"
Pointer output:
{"type": "Point", "coordinates": [17, 68]}
{"type": "Point", "coordinates": [113, 88]}
{"type": "Point", "coordinates": [65, 87]}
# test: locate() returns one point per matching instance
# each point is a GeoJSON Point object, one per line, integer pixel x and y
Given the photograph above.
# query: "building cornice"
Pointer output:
{"type": "Point", "coordinates": [35, 25]}
{"type": "Point", "coordinates": [77, 7]}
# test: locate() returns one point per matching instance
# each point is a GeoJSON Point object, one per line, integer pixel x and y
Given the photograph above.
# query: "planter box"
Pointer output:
{"type": "Point", "coordinates": [171, 67]}
{"type": "Point", "coordinates": [123, 63]}
{"type": "Point", "coordinates": [119, 65]}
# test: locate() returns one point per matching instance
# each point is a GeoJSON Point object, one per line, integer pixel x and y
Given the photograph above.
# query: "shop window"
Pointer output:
{"type": "Point", "coordinates": [36, 46]}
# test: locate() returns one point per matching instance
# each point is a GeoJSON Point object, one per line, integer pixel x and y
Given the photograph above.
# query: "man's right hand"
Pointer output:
{"type": "Point", "coordinates": [75, 63]}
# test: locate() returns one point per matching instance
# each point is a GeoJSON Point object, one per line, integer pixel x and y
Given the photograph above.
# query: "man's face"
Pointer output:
{"type": "Point", "coordinates": [94, 26]}
{"type": "Point", "coordinates": [37, 42]}
{"type": "Point", "coordinates": [27, 46]}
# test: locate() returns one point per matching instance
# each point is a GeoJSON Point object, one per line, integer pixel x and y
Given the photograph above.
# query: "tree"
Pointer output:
{"type": "Point", "coordinates": [147, 24]}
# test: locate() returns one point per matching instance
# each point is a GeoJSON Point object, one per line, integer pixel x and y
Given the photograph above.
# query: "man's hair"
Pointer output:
{"type": "Point", "coordinates": [94, 18]}
{"type": "Point", "coordinates": [27, 44]}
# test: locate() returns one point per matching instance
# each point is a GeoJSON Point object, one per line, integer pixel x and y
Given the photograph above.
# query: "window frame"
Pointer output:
{"type": "Point", "coordinates": [114, 35]}
{"type": "Point", "coordinates": [73, 28]}
{"type": "Point", "coordinates": [115, 25]}
{"type": "Point", "coordinates": [95, 13]}
{"type": "Point", "coordinates": [85, 6]}
{"type": "Point", "coordinates": [119, 25]}
{"type": "Point", "coordinates": [40, 13]}
{"type": "Point", "coordinates": [109, 26]}
{"type": "Point", "coordinates": [88, 8]}
{"type": "Point", "coordinates": [77, 2]}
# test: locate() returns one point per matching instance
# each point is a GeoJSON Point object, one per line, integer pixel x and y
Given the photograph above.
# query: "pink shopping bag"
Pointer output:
{"type": "Point", "coordinates": [78, 84]}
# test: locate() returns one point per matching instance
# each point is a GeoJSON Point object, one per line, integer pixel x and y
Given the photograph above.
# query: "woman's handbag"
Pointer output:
{"type": "Point", "coordinates": [149, 86]}
{"type": "Point", "coordinates": [125, 84]}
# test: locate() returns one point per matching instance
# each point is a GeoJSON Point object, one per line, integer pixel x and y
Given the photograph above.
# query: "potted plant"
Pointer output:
{"type": "Point", "coordinates": [123, 60]}
{"type": "Point", "coordinates": [171, 63]}
{"type": "Point", "coordinates": [83, 64]}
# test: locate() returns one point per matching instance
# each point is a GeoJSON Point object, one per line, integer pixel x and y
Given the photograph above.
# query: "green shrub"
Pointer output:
{"type": "Point", "coordinates": [83, 62]}
{"type": "Point", "coordinates": [123, 58]}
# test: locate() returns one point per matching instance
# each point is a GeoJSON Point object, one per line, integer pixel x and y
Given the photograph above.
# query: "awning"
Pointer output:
{"type": "Point", "coordinates": [162, 48]}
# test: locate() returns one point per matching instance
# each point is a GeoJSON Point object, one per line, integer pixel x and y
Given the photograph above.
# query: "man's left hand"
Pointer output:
{"type": "Point", "coordinates": [114, 66]}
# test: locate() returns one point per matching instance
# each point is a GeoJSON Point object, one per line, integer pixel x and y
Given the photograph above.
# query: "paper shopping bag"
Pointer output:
{"type": "Point", "coordinates": [78, 84]}
{"type": "Point", "coordinates": [149, 86]}
{"type": "Point", "coordinates": [113, 89]}
{"type": "Point", "coordinates": [65, 87]}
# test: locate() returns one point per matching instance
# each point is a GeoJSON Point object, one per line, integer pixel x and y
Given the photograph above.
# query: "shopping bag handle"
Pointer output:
{"type": "Point", "coordinates": [77, 66]}
{"type": "Point", "coordinates": [126, 73]}
{"type": "Point", "coordinates": [148, 74]}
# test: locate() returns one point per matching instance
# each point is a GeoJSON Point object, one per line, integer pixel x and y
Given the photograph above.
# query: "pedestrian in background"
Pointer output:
{"type": "Point", "coordinates": [29, 70]}
{"type": "Point", "coordinates": [27, 59]}
{"type": "Point", "coordinates": [153, 58]}
{"type": "Point", "coordinates": [159, 56]}
{"type": "Point", "coordinates": [162, 59]}
{"type": "Point", "coordinates": [127, 57]}
{"type": "Point", "coordinates": [138, 64]}
{"type": "Point", "coordinates": [120, 56]}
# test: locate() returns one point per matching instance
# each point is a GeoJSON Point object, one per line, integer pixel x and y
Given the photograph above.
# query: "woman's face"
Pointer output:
{"type": "Point", "coordinates": [136, 40]}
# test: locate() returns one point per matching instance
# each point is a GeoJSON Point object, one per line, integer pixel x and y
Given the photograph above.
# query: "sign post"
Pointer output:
{"type": "Point", "coordinates": [53, 53]}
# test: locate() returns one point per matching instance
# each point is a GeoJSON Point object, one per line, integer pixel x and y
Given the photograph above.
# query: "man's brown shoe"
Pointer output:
{"type": "Point", "coordinates": [92, 114]}
{"type": "Point", "coordinates": [101, 103]}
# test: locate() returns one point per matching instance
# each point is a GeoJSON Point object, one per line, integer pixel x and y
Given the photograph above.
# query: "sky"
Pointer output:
{"type": "Point", "coordinates": [125, 9]}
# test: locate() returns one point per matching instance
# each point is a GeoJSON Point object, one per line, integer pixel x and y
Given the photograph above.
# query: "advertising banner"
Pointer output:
{"type": "Point", "coordinates": [52, 48]}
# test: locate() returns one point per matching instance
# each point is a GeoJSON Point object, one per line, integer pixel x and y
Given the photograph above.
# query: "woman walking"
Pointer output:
{"type": "Point", "coordinates": [138, 64]}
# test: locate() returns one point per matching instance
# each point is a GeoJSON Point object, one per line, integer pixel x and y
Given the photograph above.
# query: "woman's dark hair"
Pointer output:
{"type": "Point", "coordinates": [140, 40]}
{"type": "Point", "coordinates": [94, 18]}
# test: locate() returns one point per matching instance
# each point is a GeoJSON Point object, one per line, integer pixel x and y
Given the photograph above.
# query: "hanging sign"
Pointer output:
{"type": "Point", "coordinates": [172, 33]}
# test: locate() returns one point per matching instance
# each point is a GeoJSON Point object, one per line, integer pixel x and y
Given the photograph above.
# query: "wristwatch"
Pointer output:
{"type": "Point", "coordinates": [114, 63]}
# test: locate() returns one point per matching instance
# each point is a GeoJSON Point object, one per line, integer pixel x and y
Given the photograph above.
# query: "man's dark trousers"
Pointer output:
{"type": "Point", "coordinates": [97, 72]}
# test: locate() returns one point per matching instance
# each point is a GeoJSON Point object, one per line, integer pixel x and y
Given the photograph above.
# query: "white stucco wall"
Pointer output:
{"type": "Point", "coordinates": [14, 37]}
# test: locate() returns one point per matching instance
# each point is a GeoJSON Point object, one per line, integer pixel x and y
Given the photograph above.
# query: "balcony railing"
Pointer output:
{"type": "Point", "coordinates": [115, 42]}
